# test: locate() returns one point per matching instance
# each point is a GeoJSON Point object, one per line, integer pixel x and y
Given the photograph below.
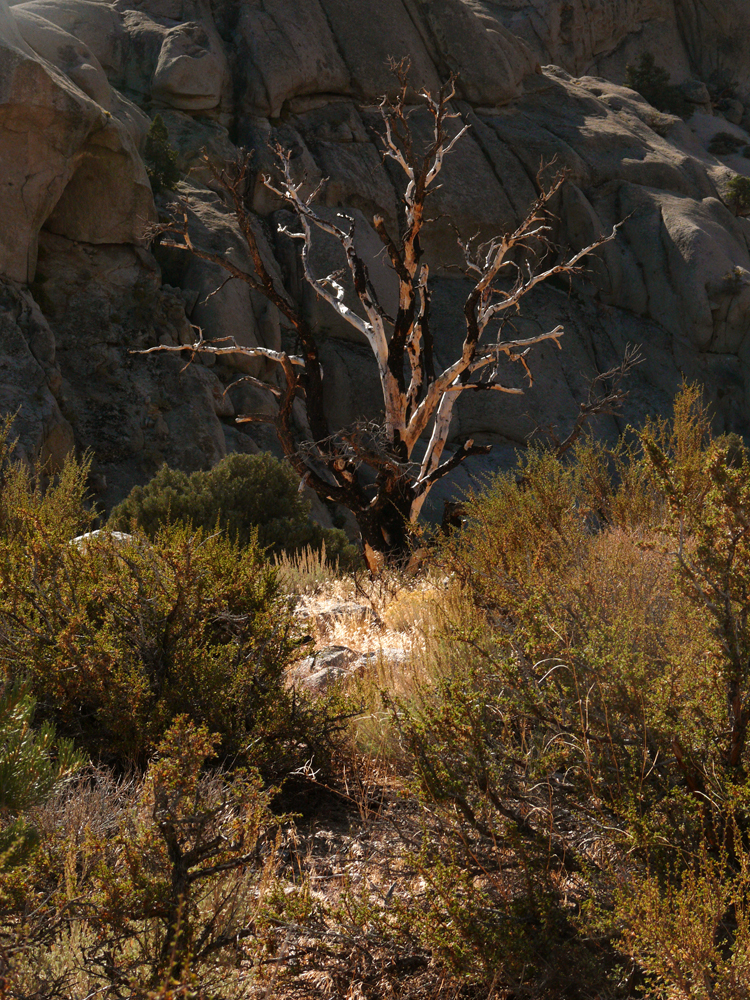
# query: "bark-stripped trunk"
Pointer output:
{"type": "Point", "coordinates": [417, 400]}
{"type": "Point", "coordinates": [384, 526]}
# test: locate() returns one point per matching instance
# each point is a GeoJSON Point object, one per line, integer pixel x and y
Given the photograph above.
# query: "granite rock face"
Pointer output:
{"type": "Point", "coordinates": [29, 380]}
{"type": "Point", "coordinates": [65, 159]}
{"type": "Point", "coordinates": [80, 290]}
{"type": "Point", "coordinates": [703, 38]}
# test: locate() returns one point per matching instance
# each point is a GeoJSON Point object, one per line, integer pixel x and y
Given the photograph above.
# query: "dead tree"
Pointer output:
{"type": "Point", "coordinates": [606, 396]}
{"type": "Point", "coordinates": [418, 400]}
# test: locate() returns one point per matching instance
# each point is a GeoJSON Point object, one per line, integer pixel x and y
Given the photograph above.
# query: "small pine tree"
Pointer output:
{"type": "Point", "coordinates": [161, 158]}
{"type": "Point", "coordinates": [738, 191]}
{"type": "Point", "coordinates": [652, 82]}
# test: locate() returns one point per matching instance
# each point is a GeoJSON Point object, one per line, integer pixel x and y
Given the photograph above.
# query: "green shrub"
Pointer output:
{"type": "Point", "coordinates": [738, 192]}
{"type": "Point", "coordinates": [31, 765]}
{"type": "Point", "coordinates": [115, 639]}
{"type": "Point", "coordinates": [161, 159]}
{"type": "Point", "coordinates": [577, 730]}
{"type": "Point", "coordinates": [163, 894]}
{"type": "Point", "coordinates": [35, 512]}
{"type": "Point", "coordinates": [715, 569]}
{"type": "Point", "coordinates": [168, 654]}
{"type": "Point", "coordinates": [652, 82]}
{"type": "Point", "coordinates": [243, 495]}
{"type": "Point", "coordinates": [690, 934]}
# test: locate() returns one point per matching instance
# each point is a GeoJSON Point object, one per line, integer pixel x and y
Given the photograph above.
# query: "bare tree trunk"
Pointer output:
{"type": "Point", "coordinates": [415, 405]}
{"type": "Point", "coordinates": [384, 526]}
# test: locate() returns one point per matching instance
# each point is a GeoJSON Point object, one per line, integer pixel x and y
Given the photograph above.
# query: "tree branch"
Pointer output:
{"type": "Point", "coordinates": [423, 484]}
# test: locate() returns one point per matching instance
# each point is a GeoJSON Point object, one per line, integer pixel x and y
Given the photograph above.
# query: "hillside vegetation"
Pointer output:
{"type": "Point", "coordinates": [545, 794]}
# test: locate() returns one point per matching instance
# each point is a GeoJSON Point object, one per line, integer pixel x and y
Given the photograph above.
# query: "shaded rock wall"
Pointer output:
{"type": "Point", "coordinates": [79, 81]}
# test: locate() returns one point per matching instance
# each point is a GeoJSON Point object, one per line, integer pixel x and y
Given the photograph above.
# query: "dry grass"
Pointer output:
{"type": "Point", "coordinates": [306, 572]}
{"type": "Point", "coordinates": [350, 863]}
{"type": "Point", "coordinates": [392, 613]}
{"type": "Point", "coordinates": [369, 879]}
{"type": "Point", "coordinates": [392, 624]}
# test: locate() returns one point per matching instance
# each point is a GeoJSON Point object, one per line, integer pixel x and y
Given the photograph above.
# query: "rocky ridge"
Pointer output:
{"type": "Point", "coordinates": [539, 82]}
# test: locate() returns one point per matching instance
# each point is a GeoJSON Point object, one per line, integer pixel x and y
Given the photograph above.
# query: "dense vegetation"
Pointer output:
{"type": "Point", "coordinates": [549, 797]}
{"type": "Point", "coordinates": [248, 497]}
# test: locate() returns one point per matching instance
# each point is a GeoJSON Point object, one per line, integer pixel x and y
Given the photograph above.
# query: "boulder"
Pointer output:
{"type": "Point", "coordinates": [66, 161]}
{"type": "Point", "coordinates": [715, 34]}
{"type": "Point", "coordinates": [287, 50]}
{"type": "Point", "coordinates": [134, 411]}
{"type": "Point", "coordinates": [66, 52]}
{"type": "Point", "coordinates": [688, 37]}
{"type": "Point", "coordinates": [733, 110]}
{"type": "Point", "coordinates": [597, 35]}
{"type": "Point", "coordinates": [470, 39]}
{"type": "Point", "coordinates": [697, 94]}
{"type": "Point", "coordinates": [108, 198]}
{"type": "Point", "coordinates": [319, 672]}
{"type": "Point", "coordinates": [329, 612]}
{"type": "Point", "coordinates": [99, 26]}
{"type": "Point", "coordinates": [83, 542]}
{"type": "Point", "coordinates": [191, 73]}
{"type": "Point", "coordinates": [284, 50]}
{"type": "Point", "coordinates": [145, 37]}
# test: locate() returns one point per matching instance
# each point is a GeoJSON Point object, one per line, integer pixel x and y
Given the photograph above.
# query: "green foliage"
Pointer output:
{"type": "Point", "coordinates": [167, 652]}
{"type": "Point", "coordinates": [31, 519]}
{"type": "Point", "coordinates": [738, 192]}
{"type": "Point", "coordinates": [652, 82]}
{"type": "Point", "coordinates": [186, 828]}
{"type": "Point", "coordinates": [116, 638]}
{"type": "Point", "coordinates": [711, 510]}
{"type": "Point", "coordinates": [243, 495]}
{"type": "Point", "coordinates": [160, 157]}
{"type": "Point", "coordinates": [35, 511]}
{"type": "Point", "coordinates": [477, 760]}
{"type": "Point", "coordinates": [166, 897]}
{"type": "Point", "coordinates": [583, 701]}
{"type": "Point", "coordinates": [31, 765]}
{"type": "Point", "coordinates": [690, 934]}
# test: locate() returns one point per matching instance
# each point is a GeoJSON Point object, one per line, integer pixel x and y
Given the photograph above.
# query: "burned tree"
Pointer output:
{"type": "Point", "coordinates": [418, 400]}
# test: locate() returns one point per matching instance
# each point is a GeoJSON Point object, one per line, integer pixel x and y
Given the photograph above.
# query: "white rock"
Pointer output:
{"type": "Point", "coordinates": [318, 672]}
{"type": "Point", "coordinates": [83, 542]}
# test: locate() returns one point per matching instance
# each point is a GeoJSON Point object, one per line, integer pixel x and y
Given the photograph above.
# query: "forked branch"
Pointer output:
{"type": "Point", "coordinates": [417, 400]}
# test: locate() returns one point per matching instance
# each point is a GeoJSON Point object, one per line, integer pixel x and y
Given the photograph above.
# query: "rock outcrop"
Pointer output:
{"type": "Point", "coordinates": [66, 159]}
{"type": "Point", "coordinates": [692, 38]}
{"type": "Point", "coordinates": [80, 80]}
